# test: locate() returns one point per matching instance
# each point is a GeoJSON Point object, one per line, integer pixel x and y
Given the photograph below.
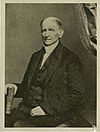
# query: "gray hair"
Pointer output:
{"type": "Point", "coordinates": [56, 20]}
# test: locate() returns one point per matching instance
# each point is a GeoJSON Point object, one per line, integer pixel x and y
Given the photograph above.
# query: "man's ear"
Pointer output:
{"type": "Point", "coordinates": [61, 32]}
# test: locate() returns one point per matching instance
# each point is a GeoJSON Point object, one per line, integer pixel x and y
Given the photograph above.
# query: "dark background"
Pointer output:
{"type": "Point", "coordinates": [23, 37]}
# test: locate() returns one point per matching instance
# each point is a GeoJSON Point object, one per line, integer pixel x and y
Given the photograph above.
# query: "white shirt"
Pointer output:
{"type": "Point", "coordinates": [49, 50]}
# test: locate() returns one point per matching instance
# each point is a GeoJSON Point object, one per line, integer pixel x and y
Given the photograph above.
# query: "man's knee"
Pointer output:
{"type": "Point", "coordinates": [20, 123]}
{"type": "Point", "coordinates": [8, 121]}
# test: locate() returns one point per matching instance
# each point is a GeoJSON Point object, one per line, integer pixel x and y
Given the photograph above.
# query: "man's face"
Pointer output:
{"type": "Point", "coordinates": [51, 33]}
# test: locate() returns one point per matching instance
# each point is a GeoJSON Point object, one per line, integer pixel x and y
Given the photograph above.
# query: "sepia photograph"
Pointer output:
{"type": "Point", "coordinates": [50, 65]}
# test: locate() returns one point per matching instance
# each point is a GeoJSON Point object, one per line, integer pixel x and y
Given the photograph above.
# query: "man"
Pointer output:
{"type": "Point", "coordinates": [52, 87]}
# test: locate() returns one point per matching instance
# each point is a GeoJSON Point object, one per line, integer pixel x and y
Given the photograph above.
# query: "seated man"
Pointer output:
{"type": "Point", "coordinates": [52, 87]}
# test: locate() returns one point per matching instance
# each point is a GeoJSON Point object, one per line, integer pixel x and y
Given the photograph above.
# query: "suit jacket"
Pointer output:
{"type": "Point", "coordinates": [63, 88]}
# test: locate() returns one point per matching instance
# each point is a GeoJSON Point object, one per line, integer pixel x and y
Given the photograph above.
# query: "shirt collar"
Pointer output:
{"type": "Point", "coordinates": [49, 49]}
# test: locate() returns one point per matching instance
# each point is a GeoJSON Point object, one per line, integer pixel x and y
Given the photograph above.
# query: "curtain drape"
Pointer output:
{"type": "Point", "coordinates": [86, 19]}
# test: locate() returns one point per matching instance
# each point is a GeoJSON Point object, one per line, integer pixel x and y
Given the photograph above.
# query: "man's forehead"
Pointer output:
{"type": "Point", "coordinates": [50, 21]}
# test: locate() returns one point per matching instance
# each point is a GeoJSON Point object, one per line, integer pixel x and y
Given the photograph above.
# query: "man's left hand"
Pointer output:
{"type": "Point", "coordinates": [37, 111]}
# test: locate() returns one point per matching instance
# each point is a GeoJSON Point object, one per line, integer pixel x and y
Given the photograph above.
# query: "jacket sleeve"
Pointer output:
{"type": "Point", "coordinates": [72, 98]}
{"type": "Point", "coordinates": [24, 84]}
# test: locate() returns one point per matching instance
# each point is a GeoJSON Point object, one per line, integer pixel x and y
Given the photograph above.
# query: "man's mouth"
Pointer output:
{"type": "Point", "coordinates": [47, 39]}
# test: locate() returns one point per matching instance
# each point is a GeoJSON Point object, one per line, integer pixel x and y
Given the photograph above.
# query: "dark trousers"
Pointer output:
{"type": "Point", "coordinates": [20, 117]}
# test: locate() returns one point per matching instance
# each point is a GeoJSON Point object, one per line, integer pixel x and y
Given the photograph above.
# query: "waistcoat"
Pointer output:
{"type": "Point", "coordinates": [34, 95]}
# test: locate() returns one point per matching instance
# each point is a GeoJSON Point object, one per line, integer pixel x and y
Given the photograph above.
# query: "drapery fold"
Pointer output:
{"type": "Point", "coordinates": [86, 19]}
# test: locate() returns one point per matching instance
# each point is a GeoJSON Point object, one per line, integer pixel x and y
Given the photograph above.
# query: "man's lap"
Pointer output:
{"type": "Point", "coordinates": [18, 118]}
{"type": "Point", "coordinates": [37, 121]}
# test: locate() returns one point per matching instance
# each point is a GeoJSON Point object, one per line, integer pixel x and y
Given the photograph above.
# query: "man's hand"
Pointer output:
{"type": "Point", "coordinates": [37, 111]}
{"type": "Point", "coordinates": [9, 85]}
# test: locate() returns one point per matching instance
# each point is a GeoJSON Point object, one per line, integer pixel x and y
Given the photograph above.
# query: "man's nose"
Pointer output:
{"type": "Point", "coordinates": [46, 34]}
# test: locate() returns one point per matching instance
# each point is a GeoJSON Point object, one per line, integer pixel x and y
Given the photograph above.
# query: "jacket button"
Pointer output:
{"type": "Point", "coordinates": [37, 88]}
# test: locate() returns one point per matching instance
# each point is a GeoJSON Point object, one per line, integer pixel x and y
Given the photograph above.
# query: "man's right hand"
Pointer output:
{"type": "Point", "coordinates": [9, 85]}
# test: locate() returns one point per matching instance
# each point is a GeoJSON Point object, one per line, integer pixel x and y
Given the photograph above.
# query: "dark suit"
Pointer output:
{"type": "Point", "coordinates": [63, 88]}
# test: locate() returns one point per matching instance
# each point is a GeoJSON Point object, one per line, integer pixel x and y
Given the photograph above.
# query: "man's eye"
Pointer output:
{"type": "Point", "coordinates": [51, 29]}
{"type": "Point", "coordinates": [43, 30]}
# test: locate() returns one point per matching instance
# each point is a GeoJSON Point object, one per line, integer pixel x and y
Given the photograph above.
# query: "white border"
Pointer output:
{"type": "Point", "coordinates": [2, 66]}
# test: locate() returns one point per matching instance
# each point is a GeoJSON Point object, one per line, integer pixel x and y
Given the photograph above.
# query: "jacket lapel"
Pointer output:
{"type": "Point", "coordinates": [55, 60]}
{"type": "Point", "coordinates": [34, 65]}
